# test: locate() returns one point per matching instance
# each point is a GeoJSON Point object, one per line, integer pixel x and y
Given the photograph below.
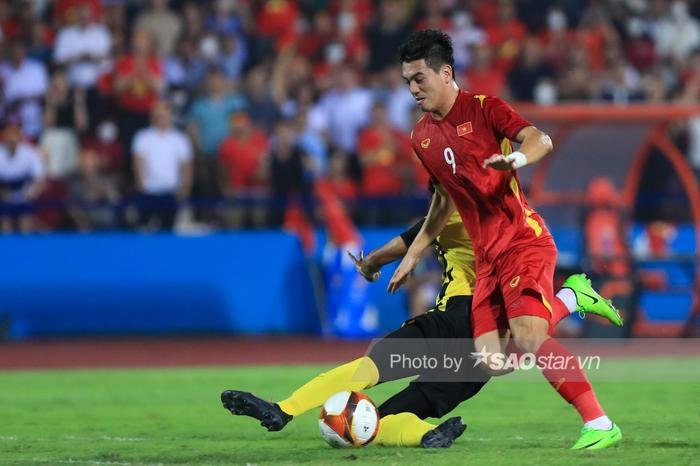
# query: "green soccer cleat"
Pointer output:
{"type": "Point", "coordinates": [596, 439]}
{"type": "Point", "coordinates": [588, 299]}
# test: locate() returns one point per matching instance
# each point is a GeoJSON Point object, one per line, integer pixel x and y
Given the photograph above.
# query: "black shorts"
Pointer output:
{"type": "Point", "coordinates": [430, 399]}
{"type": "Point", "coordinates": [432, 334]}
{"type": "Point", "coordinates": [430, 395]}
{"type": "Point", "coordinates": [454, 322]}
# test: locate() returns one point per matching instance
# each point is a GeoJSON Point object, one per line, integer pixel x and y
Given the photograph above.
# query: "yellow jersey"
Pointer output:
{"type": "Point", "coordinates": [456, 255]}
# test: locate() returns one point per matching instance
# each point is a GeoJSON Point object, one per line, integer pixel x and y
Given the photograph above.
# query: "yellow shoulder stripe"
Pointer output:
{"type": "Point", "coordinates": [506, 146]}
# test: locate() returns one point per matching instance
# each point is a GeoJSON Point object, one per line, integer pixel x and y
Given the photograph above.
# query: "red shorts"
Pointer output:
{"type": "Point", "coordinates": [525, 270]}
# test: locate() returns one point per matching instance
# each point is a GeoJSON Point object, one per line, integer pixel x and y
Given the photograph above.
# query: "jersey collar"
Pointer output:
{"type": "Point", "coordinates": [452, 116]}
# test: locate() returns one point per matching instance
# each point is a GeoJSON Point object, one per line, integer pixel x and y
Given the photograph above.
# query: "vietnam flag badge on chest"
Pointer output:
{"type": "Point", "coordinates": [464, 129]}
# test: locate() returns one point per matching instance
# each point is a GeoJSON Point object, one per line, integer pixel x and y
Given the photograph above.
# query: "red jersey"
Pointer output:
{"type": "Point", "coordinates": [140, 97]}
{"type": "Point", "coordinates": [490, 202]}
{"type": "Point", "coordinates": [242, 158]}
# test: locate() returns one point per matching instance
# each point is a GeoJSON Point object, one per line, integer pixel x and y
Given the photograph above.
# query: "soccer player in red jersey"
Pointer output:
{"type": "Point", "coordinates": [464, 142]}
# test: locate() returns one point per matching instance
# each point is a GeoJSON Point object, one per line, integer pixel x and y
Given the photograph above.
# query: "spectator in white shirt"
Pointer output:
{"type": "Point", "coordinates": [26, 82]}
{"type": "Point", "coordinates": [21, 180]}
{"type": "Point", "coordinates": [678, 33]}
{"type": "Point", "coordinates": [84, 48]}
{"type": "Point", "coordinates": [162, 157]}
{"type": "Point", "coordinates": [399, 102]}
{"type": "Point", "coordinates": [346, 109]}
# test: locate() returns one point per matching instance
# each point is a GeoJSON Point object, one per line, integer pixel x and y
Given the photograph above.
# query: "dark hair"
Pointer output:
{"type": "Point", "coordinates": [432, 45]}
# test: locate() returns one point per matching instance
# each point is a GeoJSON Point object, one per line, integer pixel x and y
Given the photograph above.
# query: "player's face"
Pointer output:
{"type": "Point", "coordinates": [427, 86]}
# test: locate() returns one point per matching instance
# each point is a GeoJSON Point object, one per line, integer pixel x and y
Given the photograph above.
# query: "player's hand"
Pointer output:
{"type": "Point", "coordinates": [370, 273]}
{"type": "Point", "coordinates": [512, 161]}
{"type": "Point", "coordinates": [499, 162]}
{"type": "Point", "coordinates": [403, 271]}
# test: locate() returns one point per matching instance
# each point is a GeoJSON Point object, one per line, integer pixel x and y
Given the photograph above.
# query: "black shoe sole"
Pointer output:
{"type": "Point", "coordinates": [247, 404]}
{"type": "Point", "coordinates": [444, 435]}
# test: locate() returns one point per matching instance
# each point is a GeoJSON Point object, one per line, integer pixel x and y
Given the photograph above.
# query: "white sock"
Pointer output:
{"type": "Point", "coordinates": [600, 423]}
{"type": "Point", "coordinates": [568, 296]}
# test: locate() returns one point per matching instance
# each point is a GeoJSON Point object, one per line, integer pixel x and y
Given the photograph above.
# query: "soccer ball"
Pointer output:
{"type": "Point", "coordinates": [348, 419]}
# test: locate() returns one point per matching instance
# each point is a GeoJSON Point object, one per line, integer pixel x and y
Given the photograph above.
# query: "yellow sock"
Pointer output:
{"type": "Point", "coordinates": [356, 375]}
{"type": "Point", "coordinates": [402, 430]}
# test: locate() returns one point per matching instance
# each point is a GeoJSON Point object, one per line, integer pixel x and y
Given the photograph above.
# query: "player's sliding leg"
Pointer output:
{"type": "Point", "coordinates": [246, 404]}
{"type": "Point", "coordinates": [431, 399]}
{"type": "Point", "coordinates": [530, 334]}
{"type": "Point", "coordinates": [409, 400]}
{"type": "Point", "coordinates": [407, 430]}
{"type": "Point", "coordinates": [356, 375]}
{"type": "Point", "coordinates": [402, 430]}
{"type": "Point", "coordinates": [444, 434]}
{"type": "Point", "coordinates": [400, 415]}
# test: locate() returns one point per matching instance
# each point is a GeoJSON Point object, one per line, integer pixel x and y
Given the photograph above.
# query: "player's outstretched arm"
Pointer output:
{"type": "Point", "coordinates": [441, 207]}
{"type": "Point", "coordinates": [534, 145]}
{"type": "Point", "coordinates": [369, 266]}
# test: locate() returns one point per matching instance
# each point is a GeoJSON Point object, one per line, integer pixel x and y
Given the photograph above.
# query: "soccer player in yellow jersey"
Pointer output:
{"type": "Point", "coordinates": [401, 416]}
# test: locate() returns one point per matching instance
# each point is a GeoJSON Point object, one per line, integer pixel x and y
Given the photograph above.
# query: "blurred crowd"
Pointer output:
{"type": "Point", "coordinates": [117, 113]}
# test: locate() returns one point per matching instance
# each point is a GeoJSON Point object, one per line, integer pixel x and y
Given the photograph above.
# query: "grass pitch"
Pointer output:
{"type": "Point", "coordinates": [173, 416]}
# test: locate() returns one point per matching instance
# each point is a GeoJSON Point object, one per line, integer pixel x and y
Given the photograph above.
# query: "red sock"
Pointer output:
{"type": "Point", "coordinates": [587, 406]}
{"type": "Point", "coordinates": [559, 312]}
{"type": "Point", "coordinates": [562, 370]}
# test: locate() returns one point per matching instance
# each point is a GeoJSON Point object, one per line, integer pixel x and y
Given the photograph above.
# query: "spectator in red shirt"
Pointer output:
{"type": "Point", "coordinates": [384, 154]}
{"type": "Point", "coordinates": [138, 83]}
{"type": "Point", "coordinates": [313, 41]}
{"type": "Point", "coordinates": [276, 22]}
{"type": "Point", "coordinates": [485, 76]}
{"type": "Point", "coordinates": [506, 35]}
{"type": "Point", "coordinates": [66, 11]}
{"type": "Point", "coordinates": [242, 157]}
{"type": "Point", "coordinates": [595, 32]}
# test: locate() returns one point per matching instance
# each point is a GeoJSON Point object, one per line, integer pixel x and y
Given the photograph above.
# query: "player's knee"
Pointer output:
{"type": "Point", "coordinates": [529, 332]}
{"type": "Point", "coordinates": [529, 340]}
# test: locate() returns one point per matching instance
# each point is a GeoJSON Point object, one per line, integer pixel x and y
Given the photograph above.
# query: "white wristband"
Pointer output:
{"type": "Point", "coordinates": [518, 159]}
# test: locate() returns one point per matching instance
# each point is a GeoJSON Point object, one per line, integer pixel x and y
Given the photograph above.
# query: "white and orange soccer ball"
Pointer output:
{"type": "Point", "coordinates": [348, 419]}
